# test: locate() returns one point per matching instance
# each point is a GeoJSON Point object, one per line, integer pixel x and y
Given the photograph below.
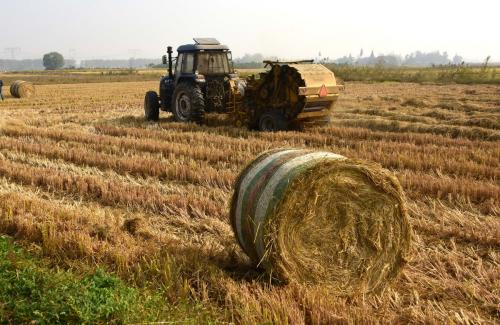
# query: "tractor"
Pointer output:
{"type": "Point", "coordinates": [204, 81]}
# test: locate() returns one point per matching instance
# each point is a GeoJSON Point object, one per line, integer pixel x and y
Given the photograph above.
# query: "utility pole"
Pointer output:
{"type": "Point", "coordinates": [134, 53]}
{"type": "Point", "coordinates": [72, 57]}
{"type": "Point", "coordinates": [13, 51]}
{"type": "Point", "coordinates": [72, 54]}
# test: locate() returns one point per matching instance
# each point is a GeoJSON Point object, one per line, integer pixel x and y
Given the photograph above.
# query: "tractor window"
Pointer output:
{"type": "Point", "coordinates": [213, 63]}
{"type": "Point", "coordinates": [178, 64]}
{"type": "Point", "coordinates": [188, 63]}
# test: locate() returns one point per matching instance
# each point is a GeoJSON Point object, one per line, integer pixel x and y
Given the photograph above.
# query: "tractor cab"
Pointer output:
{"type": "Point", "coordinates": [204, 67]}
{"type": "Point", "coordinates": [207, 57]}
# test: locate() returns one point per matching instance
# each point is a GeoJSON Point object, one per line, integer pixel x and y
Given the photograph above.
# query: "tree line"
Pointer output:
{"type": "Point", "coordinates": [54, 61]}
{"type": "Point", "coordinates": [415, 59]}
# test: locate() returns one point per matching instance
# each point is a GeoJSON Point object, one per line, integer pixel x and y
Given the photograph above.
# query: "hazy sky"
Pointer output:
{"type": "Point", "coordinates": [289, 29]}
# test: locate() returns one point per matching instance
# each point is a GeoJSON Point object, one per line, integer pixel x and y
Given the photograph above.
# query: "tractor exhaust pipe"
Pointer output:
{"type": "Point", "coordinates": [169, 51]}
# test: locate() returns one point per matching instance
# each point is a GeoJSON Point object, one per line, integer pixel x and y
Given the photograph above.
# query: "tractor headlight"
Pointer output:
{"type": "Point", "coordinates": [199, 77]}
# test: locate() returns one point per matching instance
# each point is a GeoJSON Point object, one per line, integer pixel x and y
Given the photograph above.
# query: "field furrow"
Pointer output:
{"type": "Point", "coordinates": [111, 193]}
{"type": "Point", "coordinates": [178, 170]}
{"type": "Point", "coordinates": [394, 156]}
{"type": "Point", "coordinates": [402, 127]}
{"type": "Point", "coordinates": [112, 236]}
{"type": "Point", "coordinates": [200, 152]}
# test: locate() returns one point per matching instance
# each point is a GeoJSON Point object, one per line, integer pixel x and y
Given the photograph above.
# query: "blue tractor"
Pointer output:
{"type": "Point", "coordinates": [200, 82]}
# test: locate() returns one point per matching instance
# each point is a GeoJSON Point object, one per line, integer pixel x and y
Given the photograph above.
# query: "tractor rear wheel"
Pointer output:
{"type": "Point", "coordinates": [273, 121]}
{"type": "Point", "coordinates": [151, 106]}
{"type": "Point", "coordinates": [189, 104]}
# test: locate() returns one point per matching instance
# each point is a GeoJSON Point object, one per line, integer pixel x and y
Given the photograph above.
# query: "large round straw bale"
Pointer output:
{"type": "Point", "coordinates": [22, 89]}
{"type": "Point", "coordinates": [320, 218]}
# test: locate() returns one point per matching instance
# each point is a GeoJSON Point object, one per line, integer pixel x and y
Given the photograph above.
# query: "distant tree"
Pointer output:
{"type": "Point", "coordinates": [390, 60]}
{"type": "Point", "coordinates": [486, 61]}
{"type": "Point", "coordinates": [250, 58]}
{"type": "Point", "coordinates": [53, 61]}
{"type": "Point", "coordinates": [484, 67]}
{"type": "Point", "coordinates": [427, 59]}
{"type": "Point", "coordinates": [457, 59]}
{"type": "Point", "coordinates": [344, 60]}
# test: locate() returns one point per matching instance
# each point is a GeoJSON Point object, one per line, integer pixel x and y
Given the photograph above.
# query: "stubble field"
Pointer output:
{"type": "Point", "coordinates": [85, 182]}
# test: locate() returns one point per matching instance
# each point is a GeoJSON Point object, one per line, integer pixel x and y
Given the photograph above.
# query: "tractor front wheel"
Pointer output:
{"type": "Point", "coordinates": [151, 106]}
{"type": "Point", "coordinates": [189, 104]}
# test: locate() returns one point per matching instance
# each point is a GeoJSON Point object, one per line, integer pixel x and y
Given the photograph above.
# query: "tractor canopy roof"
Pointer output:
{"type": "Point", "coordinates": [203, 44]}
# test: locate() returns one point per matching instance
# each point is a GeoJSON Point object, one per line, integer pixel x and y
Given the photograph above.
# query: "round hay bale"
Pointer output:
{"type": "Point", "coordinates": [22, 89]}
{"type": "Point", "coordinates": [320, 218]}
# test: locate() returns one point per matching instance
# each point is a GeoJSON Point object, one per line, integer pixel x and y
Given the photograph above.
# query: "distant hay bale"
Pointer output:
{"type": "Point", "coordinates": [320, 218]}
{"type": "Point", "coordinates": [22, 89]}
